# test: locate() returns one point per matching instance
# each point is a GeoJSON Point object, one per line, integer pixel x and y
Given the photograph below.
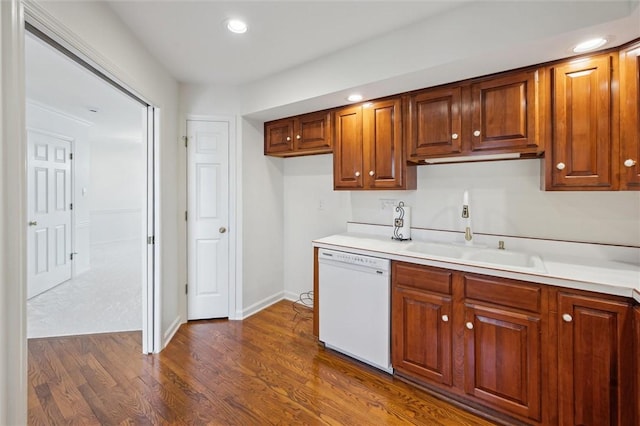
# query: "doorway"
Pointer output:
{"type": "Point", "coordinates": [91, 219]}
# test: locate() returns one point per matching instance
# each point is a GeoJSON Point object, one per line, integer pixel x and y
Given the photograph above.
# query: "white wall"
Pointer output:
{"type": "Point", "coordinates": [312, 209]}
{"type": "Point", "coordinates": [97, 31]}
{"type": "Point", "coordinates": [117, 191]}
{"type": "Point", "coordinates": [263, 221]}
{"type": "Point", "coordinates": [505, 199]}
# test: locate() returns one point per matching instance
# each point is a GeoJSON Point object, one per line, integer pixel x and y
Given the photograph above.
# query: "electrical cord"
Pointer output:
{"type": "Point", "coordinates": [303, 305]}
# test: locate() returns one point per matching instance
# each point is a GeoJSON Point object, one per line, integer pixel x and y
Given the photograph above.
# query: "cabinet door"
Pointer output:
{"type": "Point", "coordinates": [278, 137]}
{"type": "Point", "coordinates": [502, 359]}
{"type": "Point", "coordinates": [348, 159]}
{"type": "Point", "coordinates": [595, 386]}
{"type": "Point", "coordinates": [435, 123]}
{"type": "Point", "coordinates": [636, 397]}
{"type": "Point", "coordinates": [629, 118]}
{"type": "Point", "coordinates": [313, 132]}
{"type": "Point", "coordinates": [421, 335]}
{"type": "Point", "coordinates": [504, 114]}
{"type": "Point", "coordinates": [382, 133]}
{"type": "Point", "coordinates": [581, 151]}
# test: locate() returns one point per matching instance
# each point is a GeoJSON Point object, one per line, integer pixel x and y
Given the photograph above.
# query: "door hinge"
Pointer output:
{"type": "Point", "coordinates": [186, 289]}
{"type": "Point", "coordinates": [71, 156]}
{"type": "Point", "coordinates": [185, 216]}
{"type": "Point", "coordinates": [71, 206]}
{"type": "Point", "coordinates": [151, 240]}
{"type": "Point", "coordinates": [186, 141]}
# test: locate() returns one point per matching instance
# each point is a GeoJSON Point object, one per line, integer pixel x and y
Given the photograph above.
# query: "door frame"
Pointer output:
{"type": "Point", "coordinates": [43, 26]}
{"type": "Point", "coordinates": [235, 222]}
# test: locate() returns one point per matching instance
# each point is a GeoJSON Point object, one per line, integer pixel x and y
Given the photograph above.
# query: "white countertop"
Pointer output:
{"type": "Point", "coordinates": [576, 271]}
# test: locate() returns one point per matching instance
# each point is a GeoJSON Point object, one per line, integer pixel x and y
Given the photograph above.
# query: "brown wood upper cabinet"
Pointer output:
{"type": "Point", "coordinates": [368, 147]}
{"type": "Point", "coordinates": [582, 152]}
{"type": "Point", "coordinates": [489, 116]}
{"type": "Point", "coordinates": [629, 120]}
{"type": "Point", "coordinates": [301, 135]}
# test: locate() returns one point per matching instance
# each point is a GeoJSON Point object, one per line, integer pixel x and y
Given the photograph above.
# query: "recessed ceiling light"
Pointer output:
{"type": "Point", "coordinates": [237, 26]}
{"type": "Point", "coordinates": [354, 97]}
{"type": "Point", "coordinates": [588, 45]}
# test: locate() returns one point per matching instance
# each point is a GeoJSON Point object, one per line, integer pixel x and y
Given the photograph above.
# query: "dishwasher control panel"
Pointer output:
{"type": "Point", "coordinates": [353, 259]}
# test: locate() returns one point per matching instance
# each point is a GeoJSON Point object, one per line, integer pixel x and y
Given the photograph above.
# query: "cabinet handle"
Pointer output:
{"type": "Point", "coordinates": [445, 318]}
{"type": "Point", "coordinates": [454, 136]}
{"type": "Point", "coordinates": [371, 173]}
{"type": "Point", "coordinates": [357, 174]}
{"type": "Point", "coordinates": [567, 318]}
{"type": "Point", "coordinates": [298, 137]}
{"type": "Point", "coordinates": [288, 138]}
{"type": "Point", "coordinates": [560, 166]}
{"type": "Point", "coordinates": [33, 223]}
{"type": "Point", "coordinates": [469, 325]}
{"type": "Point", "coordinates": [476, 133]}
{"type": "Point", "coordinates": [629, 162]}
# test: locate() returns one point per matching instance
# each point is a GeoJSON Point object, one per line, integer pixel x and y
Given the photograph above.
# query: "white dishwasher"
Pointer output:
{"type": "Point", "coordinates": [354, 306]}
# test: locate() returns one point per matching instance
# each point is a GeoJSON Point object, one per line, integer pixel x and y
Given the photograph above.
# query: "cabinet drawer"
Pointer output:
{"type": "Point", "coordinates": [425, 278]}
{"type": "Point", "coordinates": [505, 292]}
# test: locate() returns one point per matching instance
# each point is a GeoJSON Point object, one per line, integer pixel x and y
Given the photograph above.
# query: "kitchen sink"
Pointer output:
{"type": "Point", "coordinates": [436, 249]}
{"type": "Point", "coordinates": [505, 257]}
{"type": "Point", "coordinates": [478, 255]}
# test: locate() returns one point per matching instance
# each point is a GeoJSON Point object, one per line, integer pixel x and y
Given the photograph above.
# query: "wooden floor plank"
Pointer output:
{"type": "Point", "coordinates": [267, 369]}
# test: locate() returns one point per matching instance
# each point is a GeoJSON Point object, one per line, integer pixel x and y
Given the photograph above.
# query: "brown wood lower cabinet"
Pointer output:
{"type": "Point", "coordinates": [532, 353]}
{"type": "Point", "coordinates": [422, 343]}
{"type": "Point", "coordinates": [502, 359]}
{"type": "Point", "coordinates": [595, 361]}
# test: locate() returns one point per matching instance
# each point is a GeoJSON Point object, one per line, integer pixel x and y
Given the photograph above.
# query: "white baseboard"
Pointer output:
{"type": "Point", "coordinates": [289, 295]}
{"type": "Point", "coordinates": [262, 304]}
{"type": "Point", "coordinates": [171, 331]}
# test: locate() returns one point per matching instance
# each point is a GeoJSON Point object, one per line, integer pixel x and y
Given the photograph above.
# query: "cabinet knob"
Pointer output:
{"type": "Point", "coordinates": [445, 318]}
{"type": "Point", "coordinates": [629, 162]}
{"type": "Point", "coordinates": [222, 230]}
{"type": "Point", "coordinates": [454, 136]}
{"type": "Point", "coordinates": [288, 138]}
{"type": "Point", "coordinates": [567, 318]}
{"type": "Point", "coordinates": [469, 325]}
{"type": "Point", "coordinates": [33, 223]}
{"type": "Point", "coordinates": [560, 166]}
{"type": "Point", "coordinates": [371, 173]}
{"type": "Point", "coordinates": [476, 133]}
{"type": "Point", "coordinates": [357, 174]}
{"type": "Point", "coordinates": [298, 137]}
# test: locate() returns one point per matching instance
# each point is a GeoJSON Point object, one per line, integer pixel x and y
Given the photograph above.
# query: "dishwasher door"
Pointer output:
{"type": "Point", "coordinates": [354, 306]}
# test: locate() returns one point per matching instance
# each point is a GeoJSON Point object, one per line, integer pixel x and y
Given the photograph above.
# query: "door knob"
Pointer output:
{"type": "Point", "coordinates": [33, 223]}
{"type": "Point", "coordinates": [222, 230]}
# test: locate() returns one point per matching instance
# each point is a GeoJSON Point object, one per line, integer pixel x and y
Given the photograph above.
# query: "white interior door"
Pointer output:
{"type": "Point", "coordinates": [208, 216]}
{"type": "Point", "coordinates": [49, 209]}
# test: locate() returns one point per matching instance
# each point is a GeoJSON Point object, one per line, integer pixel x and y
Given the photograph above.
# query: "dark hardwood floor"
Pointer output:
{"type": "Point", "coordinates": [267, 369]}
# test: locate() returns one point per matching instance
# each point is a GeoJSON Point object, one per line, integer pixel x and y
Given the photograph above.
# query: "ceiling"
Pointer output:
{"type": "Point", "coordinates": [60, 84]}
{"type": "Point", "coordinates": [191, 40]}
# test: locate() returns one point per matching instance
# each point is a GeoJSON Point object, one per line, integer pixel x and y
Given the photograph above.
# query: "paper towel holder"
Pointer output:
{"type": "Point", "coordinates": [398, 223]}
